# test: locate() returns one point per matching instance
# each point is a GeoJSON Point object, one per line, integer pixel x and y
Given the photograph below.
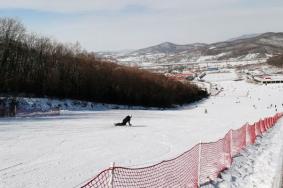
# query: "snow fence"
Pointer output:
{"type": "Point", "coordinates": [200, 165]}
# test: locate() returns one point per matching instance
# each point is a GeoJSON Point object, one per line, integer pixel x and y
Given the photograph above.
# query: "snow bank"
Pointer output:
{"type": "Point", "coordinates": [45, 104]}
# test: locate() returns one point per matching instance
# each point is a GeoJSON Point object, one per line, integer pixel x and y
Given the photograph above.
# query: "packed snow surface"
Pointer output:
{"type": "Point", "coordinates": [67, 150]}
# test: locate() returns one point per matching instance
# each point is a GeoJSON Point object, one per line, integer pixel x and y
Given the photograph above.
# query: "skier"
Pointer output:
{"type": "Point", "coordinates": [126, 120]}
{"type": "Point", "coordinates": [205, 111]}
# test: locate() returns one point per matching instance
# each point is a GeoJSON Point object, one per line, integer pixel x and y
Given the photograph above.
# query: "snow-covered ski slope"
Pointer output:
{"type": "Point", "coordinates": [67, 150]}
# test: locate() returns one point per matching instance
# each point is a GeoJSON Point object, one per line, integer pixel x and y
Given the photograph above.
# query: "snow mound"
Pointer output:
{"type": "Point", "coordinates": [46, 104]}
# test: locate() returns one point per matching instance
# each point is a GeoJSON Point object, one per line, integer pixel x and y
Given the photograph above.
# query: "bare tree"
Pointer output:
{"type": "Point", "coordinates": [41, 66]}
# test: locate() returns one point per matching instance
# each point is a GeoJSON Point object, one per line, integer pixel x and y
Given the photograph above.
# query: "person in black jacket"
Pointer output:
{"type": "Point", "coordinates": [126, 120]}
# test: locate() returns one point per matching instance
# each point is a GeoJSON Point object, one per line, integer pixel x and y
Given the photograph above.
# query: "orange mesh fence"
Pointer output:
{"type": "Point", "coordinates": [215, 157]}
{"type": "Point", "coordinates": [251, 134]}
{"type": "Point", "coordinates": [193, 168]}
{"type": "Point", "coordinates": [179, 172]}
{"type": "Point", "coordinates": [101, 180]}
{"type": "Point", "coordinates": [260, 126]}
{"type": "Point", "coordinates": [238, 140]}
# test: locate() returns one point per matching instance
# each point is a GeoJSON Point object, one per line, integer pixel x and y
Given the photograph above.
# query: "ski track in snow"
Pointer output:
{"type": "Point", "coordinates": [67, 150]}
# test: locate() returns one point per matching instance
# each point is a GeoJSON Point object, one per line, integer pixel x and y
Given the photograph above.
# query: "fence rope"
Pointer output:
{"type": "Point", "coordinates": [197, 166]}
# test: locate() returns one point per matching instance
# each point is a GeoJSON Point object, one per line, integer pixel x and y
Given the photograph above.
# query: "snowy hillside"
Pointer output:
{"type": "Point", "coordinates": [251, 47]}
{"type": "Point", "coordinates": [68, 150]}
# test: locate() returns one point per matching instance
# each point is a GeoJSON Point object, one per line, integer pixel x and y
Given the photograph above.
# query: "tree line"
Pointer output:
{"type": "Point", "coordinates": [33, 65]}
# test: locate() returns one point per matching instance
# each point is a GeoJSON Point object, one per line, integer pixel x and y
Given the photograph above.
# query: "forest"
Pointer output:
{"type": "Point", "coordinates": [276, 61]}
{"type": "Point", "coordinates": [36, 66]}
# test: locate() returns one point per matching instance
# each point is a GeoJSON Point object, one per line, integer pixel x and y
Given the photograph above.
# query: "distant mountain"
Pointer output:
{"type": "Point", "coordinates": [263, 45]}
{"type": "Point", "coordinates": [167, 47]}
{"type": "Point", "coordinates": [246, 47]}
{"type": "Point", "coordinates": [245, 36]}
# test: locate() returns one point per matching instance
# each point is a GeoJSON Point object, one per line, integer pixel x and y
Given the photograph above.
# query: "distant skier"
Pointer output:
{"type": "Point", "coordinates": [126, 120]}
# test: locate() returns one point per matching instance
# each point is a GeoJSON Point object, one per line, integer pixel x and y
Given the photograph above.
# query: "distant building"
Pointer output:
{"type": "Point", "coordinates": [267, 79]}
{"type": "Point", "coordinates": [203, 74]}
{"type": "Point", "coordinates": [212, 69]}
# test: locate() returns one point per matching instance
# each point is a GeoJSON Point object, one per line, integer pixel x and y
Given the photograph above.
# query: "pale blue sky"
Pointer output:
{"type": "Point", "coordinates": [131, 24]}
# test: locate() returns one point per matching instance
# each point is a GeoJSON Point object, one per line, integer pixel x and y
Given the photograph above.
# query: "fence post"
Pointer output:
{"type": "Point", "coordinates": [199, 163]}
{"type": "Point", "coordinates": [231, 143]}
{"type": "Point", "coordinates": [111, 174]}
{"type": "Point", "coordinates": [247, 135]}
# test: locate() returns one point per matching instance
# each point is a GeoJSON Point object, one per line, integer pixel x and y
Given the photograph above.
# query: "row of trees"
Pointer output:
{"type": "Point", "coordinates": [38, 66]}
{"type": "Point", "coordinates": [276, 61]}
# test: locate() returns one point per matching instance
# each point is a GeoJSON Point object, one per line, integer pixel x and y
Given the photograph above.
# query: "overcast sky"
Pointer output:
{"type": "Point", "coordinates": [103, 25]}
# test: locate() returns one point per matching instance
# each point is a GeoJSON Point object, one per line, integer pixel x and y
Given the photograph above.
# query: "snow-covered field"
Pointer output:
{"type": "Point", "coordinates": [67, 150]}
{"type": "Point", "coordinates": [151, 59]}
